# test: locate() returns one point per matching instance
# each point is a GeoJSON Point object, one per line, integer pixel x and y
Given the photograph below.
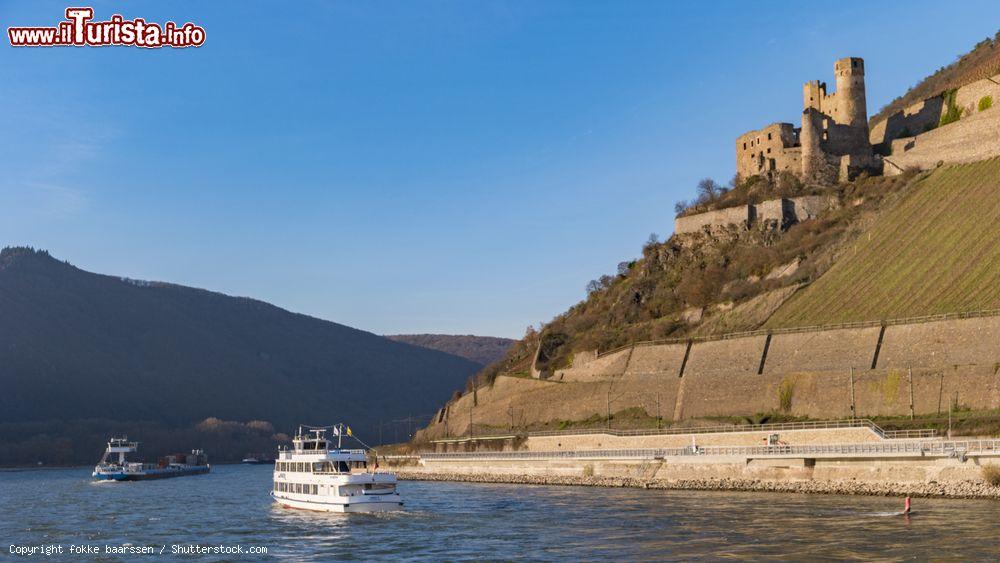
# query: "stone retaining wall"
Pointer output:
{"type": "Point", "coordinates": [805, 374]}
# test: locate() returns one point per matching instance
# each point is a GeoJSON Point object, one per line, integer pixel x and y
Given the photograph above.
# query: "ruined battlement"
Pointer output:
{"type": "Point", "coordinates": [777, 213]}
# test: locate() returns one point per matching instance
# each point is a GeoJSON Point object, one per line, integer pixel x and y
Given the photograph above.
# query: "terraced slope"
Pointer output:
{"type": "Point", "coordinates": [936, 251]}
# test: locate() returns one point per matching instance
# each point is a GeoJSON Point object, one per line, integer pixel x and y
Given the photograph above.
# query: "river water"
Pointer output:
{"type": "Point", "coordinates": [231, 508]}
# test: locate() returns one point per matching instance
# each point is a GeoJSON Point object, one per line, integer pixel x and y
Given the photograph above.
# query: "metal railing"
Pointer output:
{"type": "Point", "coordinates": [957, 448]}
{"type": "Point", "coordinates": [814, 328]}
{"type": "Point", "coordinates": [909, 434]}
{"type": "Point", "coordinates": [775, 426]}
{"type": "Point", "coordinates": [724, 428]}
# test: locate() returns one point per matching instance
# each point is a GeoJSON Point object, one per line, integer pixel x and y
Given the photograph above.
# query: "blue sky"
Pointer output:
{"type": "Point", "coordinates": [454, 167]}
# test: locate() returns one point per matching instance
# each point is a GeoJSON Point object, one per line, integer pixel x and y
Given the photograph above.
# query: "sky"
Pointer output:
{"type": "Point", "coordinates": [408, 167]}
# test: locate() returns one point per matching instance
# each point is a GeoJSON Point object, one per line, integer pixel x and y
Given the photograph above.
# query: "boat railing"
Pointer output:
{"type": "Point", "coordinates": [324, 452]}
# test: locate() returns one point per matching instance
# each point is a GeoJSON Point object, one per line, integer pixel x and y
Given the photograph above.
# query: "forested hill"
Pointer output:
{"type": "Point", "coordinates": [483, 350]}
{"type": "Point", "coordinates": [78, 345]}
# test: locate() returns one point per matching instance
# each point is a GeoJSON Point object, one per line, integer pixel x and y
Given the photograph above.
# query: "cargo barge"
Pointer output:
{"type": "Point", "coordinates": [120, 469]}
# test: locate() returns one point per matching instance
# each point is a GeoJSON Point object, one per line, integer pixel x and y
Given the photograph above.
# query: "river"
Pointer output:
{"type": "Point", "coordinates": [231, 508]}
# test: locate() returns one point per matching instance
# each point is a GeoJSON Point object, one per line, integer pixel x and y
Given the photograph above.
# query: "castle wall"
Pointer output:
{"type": "Point", "coordinates": [810, 206]}
{"type": "Point", "coordinates": [967, 97]}
{"type": "Point", "coordinates": [771, 211]}
{"type": "Point", "coordinates": [970, 139]}
{"type": "Point", "coordinates": [739, 215]}
{"type": "Point", "coordinates": [925, 115]}
{"type": "Point", "coordinates": [914, 120]}
{"type": "Point", "coordinates": [767, 150]}
{"type": "Point", "coordinates": [782, 212]}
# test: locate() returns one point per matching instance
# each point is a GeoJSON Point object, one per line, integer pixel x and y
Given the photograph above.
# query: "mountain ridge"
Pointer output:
{"type": "Point", "coordinates": [81, 345]}
{"type": "Point", "coordinates": [483, 350]}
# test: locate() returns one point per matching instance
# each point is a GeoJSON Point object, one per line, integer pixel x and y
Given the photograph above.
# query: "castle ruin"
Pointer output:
{"type": "Point", "coordinates": [831, 145]}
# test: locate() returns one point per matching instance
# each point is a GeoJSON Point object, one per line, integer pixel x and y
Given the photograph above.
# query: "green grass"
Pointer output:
{"type": "Point", "coordinates": [935, 251]}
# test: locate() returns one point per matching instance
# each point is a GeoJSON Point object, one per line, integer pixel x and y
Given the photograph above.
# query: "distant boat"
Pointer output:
{"type": "Point", "coordinates": [256, 459]}
{"type": "Point", "coordinates": [315, 475]}
{"type": "Point", "coordinates": [120, 469]}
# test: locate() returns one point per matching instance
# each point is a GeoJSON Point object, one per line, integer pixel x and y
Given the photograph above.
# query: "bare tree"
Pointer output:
{"type": "Point", "coordinates": [708, 190]}
{"type": "Point", "coordinates": [592, 286]}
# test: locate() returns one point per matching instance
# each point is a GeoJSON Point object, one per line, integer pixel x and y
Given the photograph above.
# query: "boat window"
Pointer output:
{"type": "Point", "coordinates": [342, 467]}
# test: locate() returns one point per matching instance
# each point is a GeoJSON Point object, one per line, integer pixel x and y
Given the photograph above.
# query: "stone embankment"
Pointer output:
{"type": "Point", "coordinates": [963, 489]}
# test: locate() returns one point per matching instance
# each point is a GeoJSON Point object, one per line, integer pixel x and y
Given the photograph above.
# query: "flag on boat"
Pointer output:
{"type": "Point", "coordinates": [336, 431]}
{"type": "Point", "coordinates": [349, 431]}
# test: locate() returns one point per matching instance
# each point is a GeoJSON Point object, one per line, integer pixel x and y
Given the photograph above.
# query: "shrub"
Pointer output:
{"type": "Point", "coordinates": [991, 474]}
{"type": "Point", "coordinates": [785, 393]}
{"type": "Point", "coordinates": [952, 112]}
{"type": "Point", "coordinates": [985, 103]}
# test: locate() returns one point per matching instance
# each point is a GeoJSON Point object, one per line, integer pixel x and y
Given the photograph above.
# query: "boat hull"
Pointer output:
{"type": "Point", "coordinates": [390, 503]}
{"type": "Point", "coordinates": [151, 474]}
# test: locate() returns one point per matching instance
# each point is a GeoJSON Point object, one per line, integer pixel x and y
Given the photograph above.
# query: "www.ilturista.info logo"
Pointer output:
{"type": "Point", "coordinates": [78, 30]}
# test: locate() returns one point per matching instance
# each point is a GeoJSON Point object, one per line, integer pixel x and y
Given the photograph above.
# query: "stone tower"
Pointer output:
{"type": "Point", "coordinates": [851, 107]}
{"type": "Point", "coordinates": [813, 95]}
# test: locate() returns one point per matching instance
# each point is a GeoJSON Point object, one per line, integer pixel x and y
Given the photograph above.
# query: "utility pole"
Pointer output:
{"type": "Point", "coordinates": [471, 433]}
{"type": "Point", "coordinates": [610, 385]}
{"type": "Point", "coordinates": [609, 408]}
{"type": "Point", "coordinates": [949, 420]}
{"type": "Point", "coordinates": [909, 371]}
{"type": "Point", "coordinates": [658, 418]}
{"type": "Point", "coordinates": [510, 412]}
{"type": "Point", "coordinates": [853, 412]}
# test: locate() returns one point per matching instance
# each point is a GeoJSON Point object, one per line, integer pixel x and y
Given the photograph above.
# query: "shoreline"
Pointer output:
{"type": "Point", "coordinates": [952, 490]}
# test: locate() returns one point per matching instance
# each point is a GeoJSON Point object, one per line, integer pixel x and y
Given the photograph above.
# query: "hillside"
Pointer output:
{"type": "Point", "coordinates": [84, 346]}
{"type": "Point", "coordinates": [483, 350]}
{"type": "Point", "coordinates": [894, 247]}
{"type": "Point", "coordinates": [937, 251]}
{"type": "Point", "coordinates": [726, 279]}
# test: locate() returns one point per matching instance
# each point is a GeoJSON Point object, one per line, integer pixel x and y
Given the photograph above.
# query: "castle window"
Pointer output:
{"type": "Point", "coordinates": [744, 146]}
{"type": "Point", "coordinates": [768, 136]}
{"type": "Point", "coordinates": [768, 150]}
{"type": "Point", "coordinates": [826, 135]}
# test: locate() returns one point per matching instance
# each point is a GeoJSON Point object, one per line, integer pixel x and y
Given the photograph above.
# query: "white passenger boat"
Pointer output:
{"type": "Point", "coordinates": [315, 475]}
